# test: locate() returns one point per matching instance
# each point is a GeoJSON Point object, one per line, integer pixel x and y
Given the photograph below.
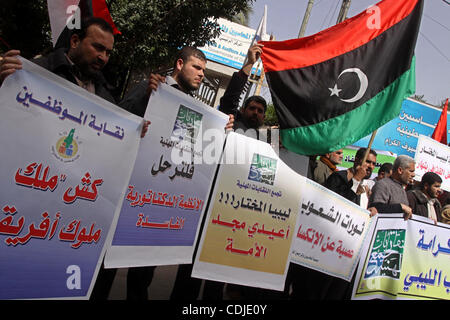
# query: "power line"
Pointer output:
{"type": "Point", "coordinates": [326, 17]}
{"type": "Point", "coordinates": [335, 8]}
{"type": "Point", "coordinates": [429, 17]}
{"type": "Point", "coordinates": [331, 17]}
{"type": "Point", "coordinates": [317, 3]}
{"type": "Point", "coordinates": [434, 46]}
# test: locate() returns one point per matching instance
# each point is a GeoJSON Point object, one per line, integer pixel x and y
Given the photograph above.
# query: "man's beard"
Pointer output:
{"type": "Point", "coordinates": [88, 72]}
{"type": "Point", "coordinates": [253, 123]}
{"type": "Point", "coordinates": [185, 85]}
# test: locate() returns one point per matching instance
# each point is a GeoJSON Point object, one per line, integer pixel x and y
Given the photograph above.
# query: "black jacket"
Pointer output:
{"type": "Point", "coordinates": [229, 103]}
{"type": "Point", "coordinates": [337, 182]}
{"type": "Point", "coordinates": [57, 63]}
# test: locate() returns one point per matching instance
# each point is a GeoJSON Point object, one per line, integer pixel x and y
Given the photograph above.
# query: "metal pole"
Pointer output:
{"type": "Point", "coordinates": [301, 33]}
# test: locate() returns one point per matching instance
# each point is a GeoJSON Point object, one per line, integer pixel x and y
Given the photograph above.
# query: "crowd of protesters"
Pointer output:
{"type": "Point", "coordinates": [393, 190]}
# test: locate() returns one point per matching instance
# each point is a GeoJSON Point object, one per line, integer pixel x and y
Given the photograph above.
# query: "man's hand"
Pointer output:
{"type": "Point", "coordinates": [360, 172]}
{"type": "Point", "coordinates": [253, 55]}
{"type": "Point", "coordinates": [9, 64]}
{"type": "Point", "coordinates": [230, 123]}
{"type": "Point", "coordinates": [153, 82]}
{"type": "Point", "coordinates": [363, 189]}
{"type": "Point", "coordinates": [145, 128]}
{"type": "Point", "coordinates": [373, 211]}
{"type": "Point", "coordinates": [407, 211]}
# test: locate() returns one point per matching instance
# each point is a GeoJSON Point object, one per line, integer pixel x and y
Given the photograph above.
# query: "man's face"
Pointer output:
{"type": "Point", "coordinates": [190, 73]}
{"type": "Point", "coordinates": [434, 190]}
{"type": "Point", "coordinates": [91, 53]}
{"type": "Point", "coordinates": [336, 157]}
{"type": "Point", "coordinates": [407, 174]}
{"type": "Point", "coordinates": [254, 114]}
{"type": "Point", "coordinates": [370, 161]}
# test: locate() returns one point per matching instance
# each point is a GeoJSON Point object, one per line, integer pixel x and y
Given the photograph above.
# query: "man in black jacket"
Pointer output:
{"type": "Point", "coordinates": [252, 113]}
{"type": "Point", "coordinates": [349, 183]}
{"type": "Point", "coordinates": [423, 201]}
{"type": "Point", "coordinates": [81, 63]}
{"type": "Point", "coordinates": [188, 73]}
{"type": "Point", "coordinates": [309, 284]}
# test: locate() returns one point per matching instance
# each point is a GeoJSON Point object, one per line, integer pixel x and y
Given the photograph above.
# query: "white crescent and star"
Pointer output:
{"type": "Point", "coordinates": [364, 84]}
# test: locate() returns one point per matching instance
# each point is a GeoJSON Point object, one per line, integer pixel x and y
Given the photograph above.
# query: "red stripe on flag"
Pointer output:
{"type": "Point", "coordinates": [440, 132]}
{"type": "Point", "coordinates": [335, 41]}
{"type": "Point", "coordinates": [100, 10]}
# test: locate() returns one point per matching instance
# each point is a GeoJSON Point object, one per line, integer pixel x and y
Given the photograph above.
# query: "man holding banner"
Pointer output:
{"type": "Point", "coordinates": [88, 53]}
{"type": "Point", "coordinates": [187, 76]}
{"type": "Point", "coordinates": [389, 195]}
{"type": "Point", "coordinates": [81, 66]}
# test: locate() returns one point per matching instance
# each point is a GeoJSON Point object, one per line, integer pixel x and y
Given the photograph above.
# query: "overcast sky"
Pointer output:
{"type": "Point", "coordinates": [432, 49]}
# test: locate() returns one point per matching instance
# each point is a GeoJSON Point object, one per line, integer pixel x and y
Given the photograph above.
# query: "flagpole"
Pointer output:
{"type": "Point", "coordinates": [343, 16]}
{"type": "Point", "coordinates": [369, 146]}
{"type": "Point", "coordinates": [301, 33]}
{"type": "Point", "coordinates": [263, 74]}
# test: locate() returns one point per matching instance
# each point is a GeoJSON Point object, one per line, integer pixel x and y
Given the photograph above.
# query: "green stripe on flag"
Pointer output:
{"type": "Point", "coordinates": [339, 132]}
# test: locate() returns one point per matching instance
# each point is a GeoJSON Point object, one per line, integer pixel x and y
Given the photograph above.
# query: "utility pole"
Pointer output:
{"type": "Point", "coordinates": [344, 10]}
{"type": "Point", "coordinates": [301, 33]}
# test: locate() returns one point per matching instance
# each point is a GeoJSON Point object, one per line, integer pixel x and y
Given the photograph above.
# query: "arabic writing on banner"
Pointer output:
{"type": "Point", "coordinates": [400, 135]}
{"type": "Point", "coordinates": [433, 156]}
{"type": "Point", "coordinates": [59, 197]}
{"type": "Point", "coordinates": [405, 260]}
{"type": "Point", "coordinates": [248, 231]}
{"type": "Point", "coordinates": [330, 232]}
{"type": "Point", "coordinates": [170, 183]}
{"type": "Point", "coordinates": [349, 153]}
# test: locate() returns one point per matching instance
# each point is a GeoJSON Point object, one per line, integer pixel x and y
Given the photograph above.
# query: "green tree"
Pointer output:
{"type": "Point", "coordinates": [152, 30]}
{"type": "Point", "coordinates": [271, 118]}
{"type": "Point", "coordinates": [243, 16]}
{"type": "Point", "coordinates": [25, 25]}
{"type": "Point", "coordinates": [419, 97]}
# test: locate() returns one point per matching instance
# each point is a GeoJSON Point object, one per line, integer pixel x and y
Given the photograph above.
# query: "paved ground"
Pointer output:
{"type": "Point", "coordinates": [159, 289]}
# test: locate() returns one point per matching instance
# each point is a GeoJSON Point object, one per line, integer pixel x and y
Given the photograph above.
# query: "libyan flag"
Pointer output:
{"type": "Point", "coordinates": [337, 86]}
{"type": "Point", "coordinates": [62, 15]}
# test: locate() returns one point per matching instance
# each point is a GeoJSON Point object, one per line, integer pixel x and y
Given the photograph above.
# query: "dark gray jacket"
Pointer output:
{"type": "Point", "coordinates": [418, 203]}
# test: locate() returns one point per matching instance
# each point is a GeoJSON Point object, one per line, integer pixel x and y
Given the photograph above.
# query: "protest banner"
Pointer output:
{"type": "Point", "coordinates": [405, 260]}
{"type": "Point", "coordinates": [251, 217]}
{"type": "Point", "coordinates": [400, 135]}
{"type": "Point", "coordinates": [170, 183]}
{"type": "Point", "coordinates": [433, 156]}
{"type": "Point", "coordinates": [66, 161]}
{"type": "Point", "coordinates": [330, 232]}
{"type": "Point", "coordinates": [349, 153]}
